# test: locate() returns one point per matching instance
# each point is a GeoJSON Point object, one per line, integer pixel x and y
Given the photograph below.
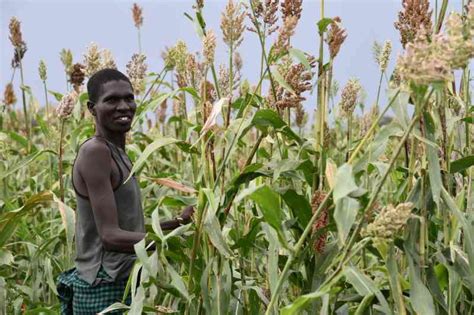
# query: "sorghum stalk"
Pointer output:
{"type": "Point", "coordinates": [319, 124]}
{"type": "Point", "coordinates": [60, 161]}
{"type": "Point", "coordinates": [324, 203]}
{"type": "Point", "coordinates": [23, 99]}
{"type": "Point", "coordinates": [440, 17]}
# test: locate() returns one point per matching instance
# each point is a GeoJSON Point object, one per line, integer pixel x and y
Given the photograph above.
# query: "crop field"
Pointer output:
{"type": "Point", "coordinates": [302, 207]}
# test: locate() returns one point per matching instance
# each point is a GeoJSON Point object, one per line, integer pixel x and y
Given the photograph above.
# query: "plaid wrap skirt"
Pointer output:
{"type": "Point", "coordinates": [78, 297]}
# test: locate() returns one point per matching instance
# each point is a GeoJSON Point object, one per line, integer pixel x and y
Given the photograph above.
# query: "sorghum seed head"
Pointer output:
{"type": "Point", "coordinates": [237, 61]}
{"type": "Point", "coordinates": [232, 24]}
{"type": "Point", "coordinates": [9, 97]}
{"type": "Point", "coordinates": [299, 79]}
{"type": "Point", "coordinates": [389, 221]}
{"type": "Point", "coordinates": [209, 47]}
{"type": "Point", "coordinates": [66, 105]}
{"type": "Point", "coordinates": [300, 116]}
{"type": "Point", "coordinates": [92, 59]}
{"type": "Point", "coordinates": [292, 8]}
{"type": "Point", "coordinates": [16, 37]}
{"type": "Point", "coordinates": [414, 16]}
{"type": "Point", "coordinates": [336, 37]}
{"type": "Point", "coordinates": [162, 111]}
{"type": "Point", "coordinates": [137, 13]}
{"type": "Point", "coordinates": [349, 96]}
{"type": "Point", "coordinates": [425, 62]}
{"type": "Point", "coordinates": [136, 71]}
{"type": "Point", "coordinates": [459, 40]}
{"type": "Point", "coordinates": [66, 59]}
{"type": "Point", "coordinates": [285, 32]}
{"type": "Point", "coordinates": [384, 55]}
{"type": "Point", "coordinates": [77, 76]}
{"type": "Point", "coordinates": [321, 222]}
{"type": "Point", "coordinates": [42, 70]}
{"type": "Point", "coordinates": [108, 61]}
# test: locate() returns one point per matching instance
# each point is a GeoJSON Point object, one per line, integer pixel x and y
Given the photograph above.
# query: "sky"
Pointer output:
{"type": "Point", "coordinates": [51, 25]}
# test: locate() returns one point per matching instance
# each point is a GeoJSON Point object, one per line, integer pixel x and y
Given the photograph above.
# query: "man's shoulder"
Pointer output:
{"type": "Point", "coordinates": [94, 149]}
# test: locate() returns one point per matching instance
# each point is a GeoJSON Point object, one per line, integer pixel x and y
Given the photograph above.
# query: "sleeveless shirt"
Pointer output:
{"type": "Point", "coordinates": [90, 253]}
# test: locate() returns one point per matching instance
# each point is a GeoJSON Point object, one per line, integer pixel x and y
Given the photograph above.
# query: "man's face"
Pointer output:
{"type": "Point", "coordinates": [115, 107]}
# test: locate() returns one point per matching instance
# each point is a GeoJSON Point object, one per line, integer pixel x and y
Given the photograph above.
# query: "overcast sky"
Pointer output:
{"type": "Point", "coordinates": [48, 26]}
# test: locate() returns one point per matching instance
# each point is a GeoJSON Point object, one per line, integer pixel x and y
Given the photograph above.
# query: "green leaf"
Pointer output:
{"type": "Point", "coordinates": [57, 96]}
{"type": "Point", "coordinates": [277, 76]}
{"type": "Point", "coordinates": [365, 286]}
{"type": "Point", "coordinates": [323, 24]}
{"type": "Point", "coordinates": [149, 106]}
{"type": "Point", "coordinates": [265, 118]}
{"type": "Point", "coordinates": [298, 54]}
{"type": "Point", "coordinates": [461, 164]}
{"type": "Point", "coordinates": [420, 297]}
{"type": "Point", "coordinates": [344, 182]}
{"type": "Point", "coordinates": [6, 257]}
{"type": "Point", "coordinates": [299, 205]}
{"type": "Point", "coordinates": [269, 203]}
{"type": "Point", "coordinates": [177, 281]}
{"type": "Point", "coordinates": [68, 220]}
{"type": "Point", "coordinates": [345, 215]}
{"type": "Point", "coordinates": [152, 147]}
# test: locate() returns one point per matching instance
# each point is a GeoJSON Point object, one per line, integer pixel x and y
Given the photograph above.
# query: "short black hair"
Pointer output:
{"type": "Point", "coordinates": [94, 85]}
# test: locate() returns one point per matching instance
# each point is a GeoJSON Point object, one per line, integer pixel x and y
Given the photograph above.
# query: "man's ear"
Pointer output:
{"type": "Point", "coordinates": [91, 107]}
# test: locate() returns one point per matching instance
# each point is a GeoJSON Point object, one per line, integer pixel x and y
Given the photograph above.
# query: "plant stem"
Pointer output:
{"type": "Point", "coordinates": [23, 98]}
{"type": "Point", "coordinates": [440, 18]}
{"type": "Point", "coordinates": [60, 161]}
{"type": "Point", "coordinates": [46, 99]}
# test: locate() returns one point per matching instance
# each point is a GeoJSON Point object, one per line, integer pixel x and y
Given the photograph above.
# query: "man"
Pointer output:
{"type": "Point", "coordinates": [109, 215]}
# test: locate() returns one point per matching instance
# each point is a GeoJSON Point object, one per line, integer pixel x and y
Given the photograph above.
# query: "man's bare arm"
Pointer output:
{"type": "Point", "coordinates": [96, 175]}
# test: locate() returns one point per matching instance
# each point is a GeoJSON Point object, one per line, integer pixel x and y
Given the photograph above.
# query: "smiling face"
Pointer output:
{"type": "Point", "coordinates": [115, 106]}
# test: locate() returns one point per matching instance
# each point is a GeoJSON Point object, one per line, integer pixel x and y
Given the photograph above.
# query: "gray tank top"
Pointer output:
{"type": "Point", "coordinates": [90, 254]}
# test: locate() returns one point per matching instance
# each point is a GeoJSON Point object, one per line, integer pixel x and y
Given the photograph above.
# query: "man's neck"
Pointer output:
{"type": "Point", "coordinates": [116, 138]}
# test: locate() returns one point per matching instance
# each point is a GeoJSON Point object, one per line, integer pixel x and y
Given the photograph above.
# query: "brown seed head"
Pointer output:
{"type": "Point", "coordinates": [321, 222]}
{"type": "Point", "coordinates": [77, 76]}
{"type": "Point", "coordinates": [285, 32]}
{"type": "Point", "coordinates": [300, 116]}
{"type": "Point", "coordinates": [137, 15]}
{"type": "Point", "coordinates": [162, 111]}
{"type": "Point", "coordinates": [336, 37]}
{"type": "Point", "coordinates": [66, 105]}
{"type": "Point", "coordinates": [208, 91]}
{"type": "Point", "coordinates": [415, 15]}
{"type": "Point", "coordinates": [232, 24]}
{"type": "Point", "coordinates": [16, 37]}
{"type": "Point", "coordinates": [292, 8]}
{"type": "Point", "coordinates": [9, 97]}
{"type": "Point", "coordinates": [299, 79]}
{"type": "Point", "coordinates": [264, 12]}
